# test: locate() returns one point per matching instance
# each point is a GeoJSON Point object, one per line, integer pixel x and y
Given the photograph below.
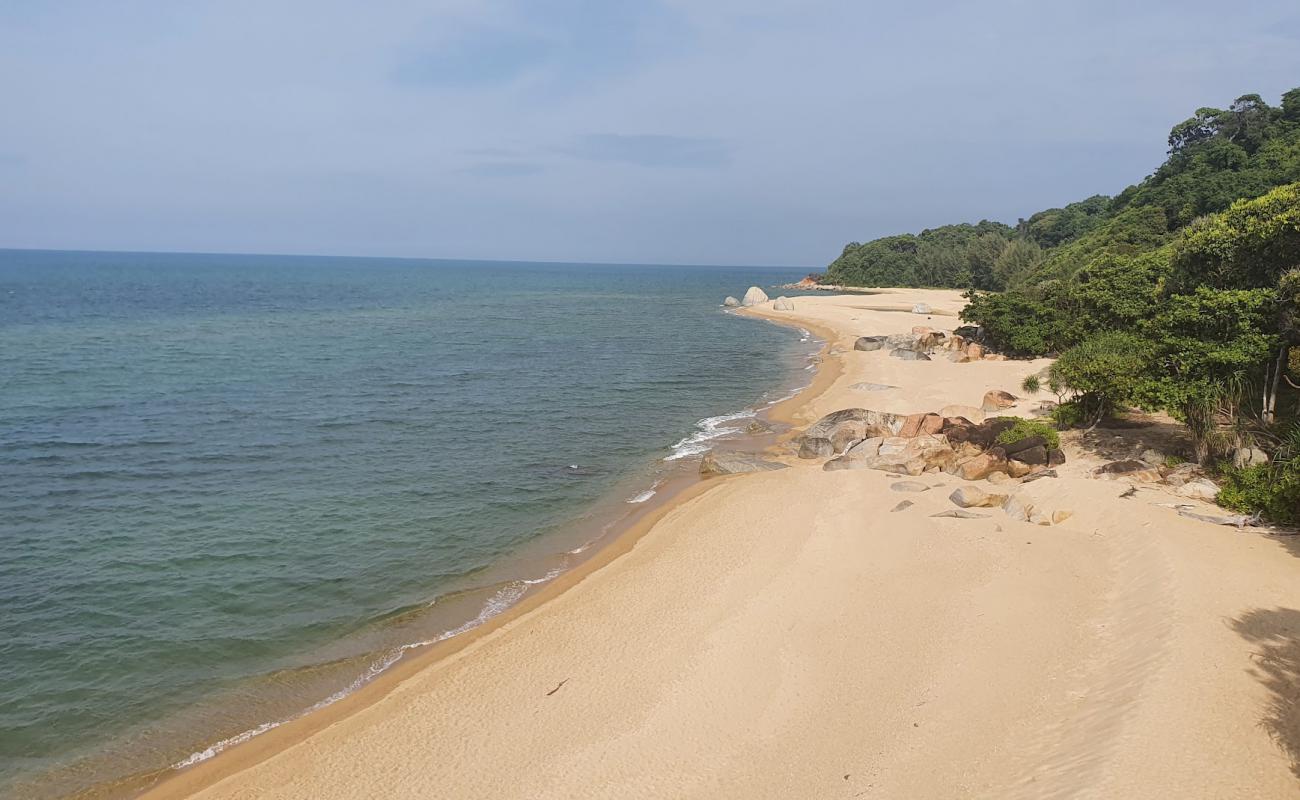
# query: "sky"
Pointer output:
{"type": "Point", "coordinates": [758, 132]}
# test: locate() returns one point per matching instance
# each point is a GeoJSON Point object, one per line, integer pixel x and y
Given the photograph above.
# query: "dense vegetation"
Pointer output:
{"type": "Point", "coordinates": [1181, 293]}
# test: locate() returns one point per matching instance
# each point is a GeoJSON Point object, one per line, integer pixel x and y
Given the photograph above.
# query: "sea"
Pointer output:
{"type": "Point", "coordinates": [236, 488]}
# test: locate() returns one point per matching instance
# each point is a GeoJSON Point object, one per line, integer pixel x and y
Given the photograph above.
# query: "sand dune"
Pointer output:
{"type": "Point", "coordinates": [783, 635]}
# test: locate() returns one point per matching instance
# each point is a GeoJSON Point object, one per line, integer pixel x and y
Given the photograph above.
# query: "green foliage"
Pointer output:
{"type": "Point", "coordinates": [1056, 226]}
{"type": "Point", "coordinates": [1031, 384]}
{"type": "Point", "coordinates": [1018, 324]}
{"type": "Point", "coordinates": [1104, 371]}
{"type": "Point", "coordinates": [1261, 489]}
{"type": "Point", "coordinates": [953, 255]}
{"type": "Point", "coordinates": [1018, 260]}
{"type": "Point", "coordinates": [1248, 246]}
{"type": "Point", "coordinates": [1024, 428]}
{"type": "Point", "coordinates": [1068, 415]}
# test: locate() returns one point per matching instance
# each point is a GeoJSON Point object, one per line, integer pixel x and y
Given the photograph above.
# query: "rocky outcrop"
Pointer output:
{"type": "Point", "coordinates": [849, 425]}
{"type": "Point", "coordinates": [731, 302]}
{"type": "Point", "coordinates": [754, 296]}
{"type": "Point", "coordinates": [869, 343]}
{"type": "Point", "coordinates": [782, 304]}
{"type": "Point", "coordinates": [715, 463]}
{"type": "Point", "coordinates": [895, 454]}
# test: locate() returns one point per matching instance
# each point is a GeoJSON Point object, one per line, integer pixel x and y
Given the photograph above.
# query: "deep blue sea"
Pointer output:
{"type": "Point", "coordinates": [234, 487]}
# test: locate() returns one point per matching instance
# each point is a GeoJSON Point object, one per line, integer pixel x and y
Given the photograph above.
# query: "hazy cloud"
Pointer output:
{"type": "Point", "coordinates": [648, 150]}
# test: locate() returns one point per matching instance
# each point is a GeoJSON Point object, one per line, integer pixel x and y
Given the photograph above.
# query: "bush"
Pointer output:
{"type": "Point", "coordinates": [1273, 493]}
{"type": "Point", "coordinates": [1024, 428]}
{"type": "Point", "coordinates": [1068, 415]}
{"type": "Point", "coordinates": [1104, 371]}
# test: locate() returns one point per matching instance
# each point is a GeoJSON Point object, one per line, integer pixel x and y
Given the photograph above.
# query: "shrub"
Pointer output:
{"type": "Point", "coordinates": [1068, 415]}
{"type": "Point", "coordinates": [1259, 488]}
{"type": "Point", "coordinates": [1024, 428]}
{"type": "Point", "coordinates": [1031, 384]}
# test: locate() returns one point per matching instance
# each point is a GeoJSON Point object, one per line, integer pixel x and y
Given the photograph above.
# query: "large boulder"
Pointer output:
{"type": "Point", "coordinates": [1027, 443]}
{"type": "Point", "coordinates": [869, 343]}
{"type": "Point", "coordinates": [975, 497]}
{"type": "Point", "coordinates": [851, 424]}
{"type": "Point", "coordinates": [894, 454]}
{"type": "Point", "coordinates": [782, 304]}
{"type": "Point", "coordinates": [905, 341]}
{"type": "Point", "coordinates": [909, 355]}
{"type": "Point", "coordinates": [921, 423]}
{"type": "Point", "coordinates": [983, 465]}
{"type": "Point", "coordinates": [816, 447]}
{"type": "Point", "coordinates": [1034, 456]}
{"type": "Point", "coordinates": [996, 400]}
{"type": "Point", "coordinates": [731, 302]}
{"type": "Point", "coordinates": [970, 413]}
{"type": "Point", "coordinates": [754, 296]}
{"type": "Point", "coordinates": [1199, 489]}
{"type": "Point", "coordinates": [1248, 457]}
{"type": "Point", "coordinates": [716, 463]}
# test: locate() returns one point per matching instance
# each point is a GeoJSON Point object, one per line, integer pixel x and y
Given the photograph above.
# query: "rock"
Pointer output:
{"type": "Point", "coordinates": [1061, 515]}
{"type": "Point", "coordinates": [872, 387]}
{"type": "Point", "coordinates": [1248, 457]}
{"type": "Point", "coordinates": [1018, 469]}
{"type": "Point", "coordinates": [1042, 473]}
{"type": "Point", "coordinates": [869, 343]}
{"type": "Point", "coordinates": [757, 426]}
{"type": "Point", "coordinates": [1130, 469]}
{"type": "Point", "coordinates": [994, 357]}
{"type": "Point", "coordinates": [921, 423]}
{"type": "Point", "coordinates": [849, 424]}
{"type": "Point", "coordinates": [1199, 489]}
{"type": "Point", "coordinates": [715, 463]}
{"type": "Point", "coordinates": [982, 436]}
{"type": "Point", "coordinates": [996, 400]}
{"type": "Point", "coordinates": [1038, 517]}
{"type": "Point", "coordinates": [897, 455]}
{"type": "Point", "coordinates": [1182, 473]}
{"type": "Point", "coordinates": [1153, 457]}
{"type": "Point", "coordinates": [975, 497]}
{"type": "Point", "coordinates": [815, 447]}
{"type": "Point", "coordinates": [1017, 508]}
{"type": "Point", "coordinates": [958, 357]}
{"type": "Point", "coordinates": [920, 308]}
{"type": "Point", "coordinates": [731, 302]}
{"type": "Point", "coordinates": [909, 355]}
{"type": "Point", "coordinates": [968, 331]}
{"type": "Point", "coordinates": [974, 352]}
{"type": "Point", "coordinates": [1055, 458]}
{"type": "Point", "coordinates": [960, 514]}
{"type": "Point", "coordinates": [902, 505]}
{"type": "Point", "coordinates": [998, 477]}
{"type": "Point", "coordinates": [754, 296]}
{"type": "Point", "coordinates": [782, 304]}
{"type": "Point", "coordinates": [1235, 520]}
{"type": "Point", "coordinates": [979, 467]}
{"type": "Point", "coordinates": [1027, 443]}
{"type": "Point", "coordinates": [909, 486]}
{"type": "Point", "coordinates": [922, 330]}
{"type": "Point", "coordinates": [1033, 456]}
{"type": "Point", "coordinates": [971, 413]}
{"type": "Point", "coordinates": [905, 341]}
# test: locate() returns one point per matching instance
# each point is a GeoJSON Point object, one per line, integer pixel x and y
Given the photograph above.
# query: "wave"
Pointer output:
{"type": "Point", "coordinates": [503, 599]}
{"type": "Point", "coordinates": [709, 428]}
{"type": "Point", "coordinates": [641, 497]}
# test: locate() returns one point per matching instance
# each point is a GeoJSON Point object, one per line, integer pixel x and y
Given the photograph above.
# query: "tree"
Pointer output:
{"type": "Point", "coordinates": [1018, 259]}
{"type": "Point", "coordinates": [1104, 372]}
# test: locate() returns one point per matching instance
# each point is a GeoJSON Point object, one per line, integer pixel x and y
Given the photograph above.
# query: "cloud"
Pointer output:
{"type": "Point", "coordinates": [503, 169]}
{"type": "Point", "coordinates": [650, 150]}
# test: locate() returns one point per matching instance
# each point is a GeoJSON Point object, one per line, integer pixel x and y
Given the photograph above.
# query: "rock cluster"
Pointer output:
{"type": "Point", "coordinates": [923, 342]}
{"type": "Point", "coordinates": [1185, 480]}
{"type": "Point", "coordinates": [859, 438]}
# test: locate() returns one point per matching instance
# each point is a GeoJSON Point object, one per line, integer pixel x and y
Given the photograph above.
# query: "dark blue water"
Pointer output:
{"type": "Point", "coordinates": [231, 486]}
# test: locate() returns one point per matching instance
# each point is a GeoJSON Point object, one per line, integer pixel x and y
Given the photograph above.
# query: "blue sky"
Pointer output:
{"type": "Point", "coordinates": [759, 132]}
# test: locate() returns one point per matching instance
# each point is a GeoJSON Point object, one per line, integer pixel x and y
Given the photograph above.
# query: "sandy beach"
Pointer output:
{"type": "Point", "coordinates": [784, 635]}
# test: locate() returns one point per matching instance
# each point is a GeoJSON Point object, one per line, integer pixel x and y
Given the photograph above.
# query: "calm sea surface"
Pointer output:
{"type": "Point", "coordinates": [232, 487]}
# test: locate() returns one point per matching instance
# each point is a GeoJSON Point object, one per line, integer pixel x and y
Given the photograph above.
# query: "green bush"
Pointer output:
{"type": "Point", "coordinates": [1274, 493]}
{"type": "Point", "coordinates": [1024, 428]}
{"type": "Point", "coordinates": [1068, 415]}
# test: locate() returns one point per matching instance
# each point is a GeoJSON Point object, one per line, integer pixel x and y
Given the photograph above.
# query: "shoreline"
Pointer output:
{"type": "Point", "coordinates": [804, 637]}
{"type": "Point", "coordinates": [673, 491]}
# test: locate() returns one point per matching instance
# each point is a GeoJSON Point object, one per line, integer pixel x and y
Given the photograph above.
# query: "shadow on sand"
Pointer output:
{"type": "Point", "coordinates": [1276, 635]}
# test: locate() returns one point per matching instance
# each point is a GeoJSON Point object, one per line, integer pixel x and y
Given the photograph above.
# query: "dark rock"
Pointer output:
{"type": "Point", "coordinates": [869, 343]}
{"type": "Point", "coordinates": [1043, 473]}
{"type": "Point", "coordinates": [1055, 458]}
{"type": "Point", "coordinates": [1034, 456]}
{"type": "Point", "coordinates": [1121, 467]}
{"type": "Point", "coordinates": [1027, 443]}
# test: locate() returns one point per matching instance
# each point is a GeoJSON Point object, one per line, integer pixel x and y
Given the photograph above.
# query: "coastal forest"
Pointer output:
{"type": "Point", "coordinates": [1179, 294]}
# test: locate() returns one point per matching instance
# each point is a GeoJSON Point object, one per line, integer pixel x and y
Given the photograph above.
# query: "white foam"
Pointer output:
{"type": "Point", "coordinates": [504, 598]}
{"type": "Point", "coordinates": [642, 496]}
{"type": "Point", "coordinates": [709, 428]}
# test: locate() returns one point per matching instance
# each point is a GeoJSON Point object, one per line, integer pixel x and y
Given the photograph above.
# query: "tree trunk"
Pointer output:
{"type": "Point", "coordinates": [1270, 387]}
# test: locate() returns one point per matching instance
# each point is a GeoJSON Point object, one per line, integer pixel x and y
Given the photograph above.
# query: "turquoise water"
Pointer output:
{"type": "Point", "coordinates": [232, 486]}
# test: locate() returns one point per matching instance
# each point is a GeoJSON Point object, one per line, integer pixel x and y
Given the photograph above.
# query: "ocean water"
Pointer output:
{"type": "Point", "coordinates": [234, 487]}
